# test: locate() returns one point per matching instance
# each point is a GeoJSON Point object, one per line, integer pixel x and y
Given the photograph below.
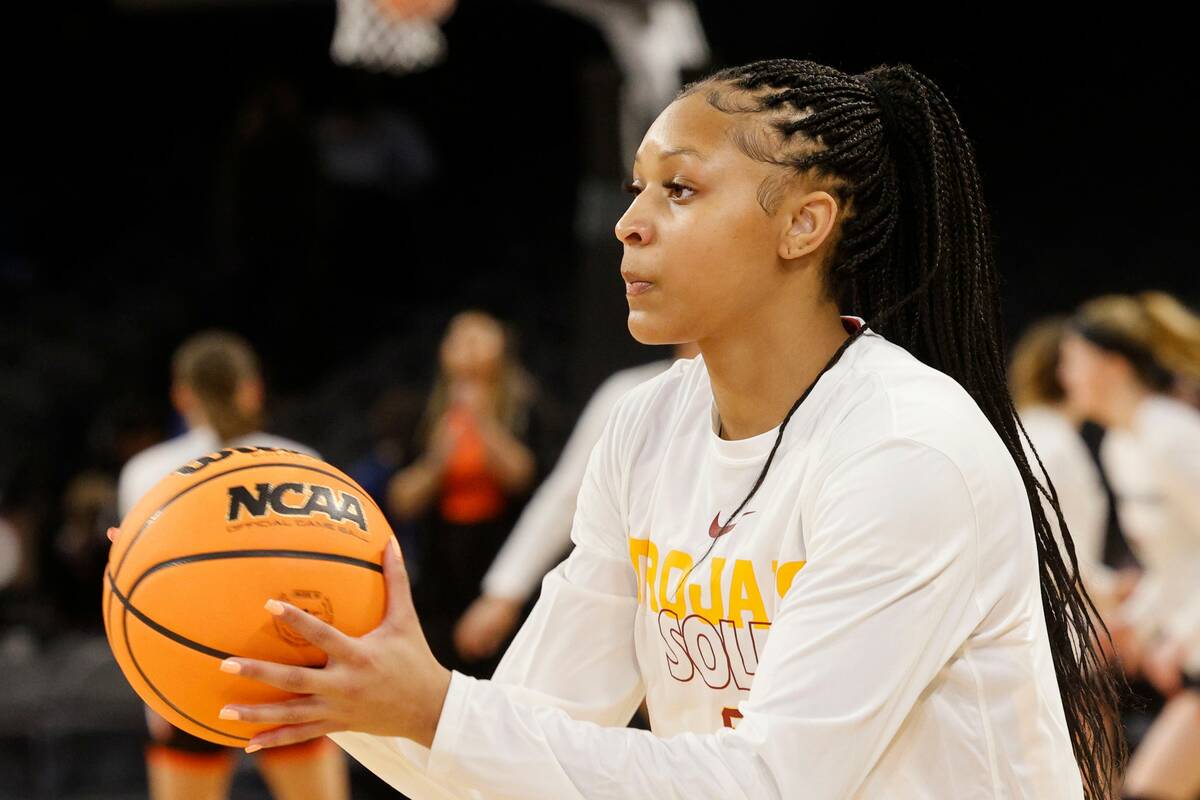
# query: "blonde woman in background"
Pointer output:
{"type": "Point", "coordinates": [217, 388]}
{"type": "Point", "coordinates": [474, 468]}
{"type": "Point", "coordinates": [1121, 361]}
{"type": "Point", "coordinates": [542, 534]}
{"type": "Point", "coordinates": [1053, 426]}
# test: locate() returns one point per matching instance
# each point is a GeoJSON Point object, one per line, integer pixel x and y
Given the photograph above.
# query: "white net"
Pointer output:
{"type": "Point", "coordinates": [368, 36]}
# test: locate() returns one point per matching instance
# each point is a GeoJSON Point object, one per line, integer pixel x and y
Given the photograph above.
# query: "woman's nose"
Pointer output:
{"type": "Point", "coordinates": [632, 231]}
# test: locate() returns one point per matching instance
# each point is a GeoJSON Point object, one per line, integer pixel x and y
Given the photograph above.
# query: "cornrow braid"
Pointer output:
{"type": "Point", "coordinates": [913, 257]}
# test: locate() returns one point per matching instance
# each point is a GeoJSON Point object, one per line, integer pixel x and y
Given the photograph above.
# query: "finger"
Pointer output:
{"type": "Point", "coordinates": [301, 710]}
{"type": "Point", "coordinates": [291, 734]}
{"type": "Point", "coordinates": [316, 631]}
{"type": "Point", "coordinates": [112, 534]}
{"type": "Point", "coordinates": [399, 593]}
{"type": "Point", "coordinates": [298, 680]}
{"type": "Point", "coordinates": [465, 645]}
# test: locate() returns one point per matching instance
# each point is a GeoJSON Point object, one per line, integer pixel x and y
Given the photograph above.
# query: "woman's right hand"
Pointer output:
{"type": "Point", "coordinates": [113, 533]}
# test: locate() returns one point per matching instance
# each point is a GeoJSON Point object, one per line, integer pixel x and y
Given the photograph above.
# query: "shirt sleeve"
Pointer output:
{"type": "Point", "coordinates": [885, 600]}
{"type": "Point", "coordinates": [543, 531]}
{"type": "Point", "coordinates": [1169, 432]}
{"type": "Point", "coordinates": [126, 492]}
{"type": "Point", "coordinates": [575, 652]}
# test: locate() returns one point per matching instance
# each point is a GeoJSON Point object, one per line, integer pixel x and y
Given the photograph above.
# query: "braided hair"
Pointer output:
{"type": "Point", "coordinates": [913, 257]}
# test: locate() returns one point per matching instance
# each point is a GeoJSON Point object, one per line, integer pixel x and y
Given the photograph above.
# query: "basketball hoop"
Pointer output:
{"type": "Point", "coordinates": [371, 35]}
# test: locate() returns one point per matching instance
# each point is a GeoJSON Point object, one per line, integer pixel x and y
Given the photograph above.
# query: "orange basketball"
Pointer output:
{"type": "Point", "coordinates": [201, 553]}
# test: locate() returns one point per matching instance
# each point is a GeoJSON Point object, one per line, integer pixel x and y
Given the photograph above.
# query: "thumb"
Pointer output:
{"type": "Point", "coordinates": [112, 534]}
{"type": "Point", "coordinates": [395, 578]}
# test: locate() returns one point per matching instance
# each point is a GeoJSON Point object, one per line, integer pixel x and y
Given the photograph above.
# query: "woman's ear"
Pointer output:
{"type": "Point", "coordinates": [809, 220]}
{"type": "Point", "coordinates": [183, 399]}
{"type": "Point", "coordinates": [250, 396]}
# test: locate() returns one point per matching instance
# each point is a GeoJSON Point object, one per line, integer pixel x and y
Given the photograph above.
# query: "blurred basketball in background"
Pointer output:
{"type": "Point", "coordinates": [200, 554]}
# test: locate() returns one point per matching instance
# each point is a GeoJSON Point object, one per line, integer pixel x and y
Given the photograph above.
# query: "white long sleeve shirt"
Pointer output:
{"type": "Point", "coordinates": [1154, 469]}
{"type": "Point", "coordinates": [1080, 494]}
{"type": "Point", "coordinates": [870, 626]}
{"type": "Point", "coordinates": [542, 534]}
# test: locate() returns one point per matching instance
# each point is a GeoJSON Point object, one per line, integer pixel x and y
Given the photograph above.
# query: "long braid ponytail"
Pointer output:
{"type": "Point", "coordinates": [913, 257]}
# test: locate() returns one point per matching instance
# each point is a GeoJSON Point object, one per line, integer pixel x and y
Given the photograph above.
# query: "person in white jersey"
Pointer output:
{"type": "Point", "coordinates": [217, 389]}
{"type": "Point", "coordinates": [816, 549]}
{"type": "Point", "coordinates": [1121, 361]}
{"type": "Point", "coordinates": [1053, 425]}
{"type": "Point", "coordinates": [543, 532]}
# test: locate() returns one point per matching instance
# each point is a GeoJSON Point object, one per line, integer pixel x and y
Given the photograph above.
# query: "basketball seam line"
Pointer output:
{"type": "Point", "coordinates": [127, 601]}
{"type": "Point", "coordinates": [127, 607]}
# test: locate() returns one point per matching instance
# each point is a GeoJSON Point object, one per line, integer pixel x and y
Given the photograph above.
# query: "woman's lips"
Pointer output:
{"type": "Point", "coordinates": [634, 288]}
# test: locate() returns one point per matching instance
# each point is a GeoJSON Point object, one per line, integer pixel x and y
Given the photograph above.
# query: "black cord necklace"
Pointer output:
{"type": "Point", "coordinates": [837, 355]}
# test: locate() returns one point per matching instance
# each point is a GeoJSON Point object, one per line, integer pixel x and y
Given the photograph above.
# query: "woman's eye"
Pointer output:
{"type": "Point", "coordinates": [679, 187]}
{"type": "Point", "coordinates": [674, 188]}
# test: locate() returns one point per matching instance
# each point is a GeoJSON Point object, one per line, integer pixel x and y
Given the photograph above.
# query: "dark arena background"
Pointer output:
{"type": "Point", "coordinates": [174, 166]}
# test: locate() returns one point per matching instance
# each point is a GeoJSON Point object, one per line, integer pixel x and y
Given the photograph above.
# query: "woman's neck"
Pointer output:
{"type": "Point", "coordinates": [758, 372]}
{"type": "Point", "coordinates": [195, 419]}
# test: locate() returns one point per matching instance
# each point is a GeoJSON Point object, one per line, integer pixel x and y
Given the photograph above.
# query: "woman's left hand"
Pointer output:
{"type": "Point", "coordinates": [386, 682]}
{"type": "Point", "coordinates": [1163, 667]}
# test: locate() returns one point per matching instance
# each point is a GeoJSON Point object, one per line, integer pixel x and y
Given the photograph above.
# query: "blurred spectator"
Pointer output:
{"type": "Point", "coordinates": [217, 388]}
{"type": "Point", "coordinates": [1053, 426]}
{"type": "Point", "coordinates": [89, 508]}
{"type": "Point", "coordinates": [25, 614]}
{"type": "Point", "coordinates": [1120, 360]}
{"type": "Point", "coordinates": [543, 533]}
{"type": "Point", "coordinates": [483, 431]}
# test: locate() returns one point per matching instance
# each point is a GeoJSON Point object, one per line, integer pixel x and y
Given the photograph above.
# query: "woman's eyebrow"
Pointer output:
{"type": "Point", "coordinates": [676, 151]}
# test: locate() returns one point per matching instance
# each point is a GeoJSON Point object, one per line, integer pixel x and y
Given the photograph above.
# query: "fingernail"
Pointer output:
{"type": "Point", "coordinates": [229, 713]}
{"type": "Point", "coordinates": [231, 666]}
{"type": "Point", "coordinates": [253, 748]}
{"type": "Point", "coordinates": [274, 606]}
{"type": "Point", "coordinates": [112, 534]}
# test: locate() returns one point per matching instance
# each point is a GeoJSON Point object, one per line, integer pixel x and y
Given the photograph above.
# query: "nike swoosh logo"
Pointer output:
{"type": "Point", "coordinates": [716, 529]}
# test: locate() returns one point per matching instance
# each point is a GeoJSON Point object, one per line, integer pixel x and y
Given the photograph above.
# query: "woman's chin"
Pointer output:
{"type": "Point", "coordinates": [648, 328]}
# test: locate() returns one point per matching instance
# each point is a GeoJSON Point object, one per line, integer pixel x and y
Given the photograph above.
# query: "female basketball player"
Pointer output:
{"type": "Point", "coordinates": [1120, 362]}
{"type": "Point", "coordinates": [1053, 426]}
{"type": "Point", "coordinates": [217, 387]}
{"type": "Point", "coordinates": [817, 550]}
